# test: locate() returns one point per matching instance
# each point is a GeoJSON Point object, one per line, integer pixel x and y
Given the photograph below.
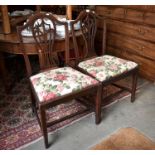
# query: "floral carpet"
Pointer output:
{"type": "Point", "coordinates": [19, 126]}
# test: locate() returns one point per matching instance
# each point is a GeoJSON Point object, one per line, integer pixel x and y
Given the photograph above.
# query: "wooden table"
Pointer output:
{"type": "Point", "coordinates": [10, 43]}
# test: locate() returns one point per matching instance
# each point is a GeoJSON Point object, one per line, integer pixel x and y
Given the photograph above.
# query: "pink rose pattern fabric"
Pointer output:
{"type": "Point", "coordinates": [105, 67]}
{"type": "Point", "coordinates": [58, 82]}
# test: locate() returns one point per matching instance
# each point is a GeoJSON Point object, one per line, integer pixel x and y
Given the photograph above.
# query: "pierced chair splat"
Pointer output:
{"type": "Point", "coordinates": [107, 69]}
{"type": "Point", "coordinates": [53, 85]}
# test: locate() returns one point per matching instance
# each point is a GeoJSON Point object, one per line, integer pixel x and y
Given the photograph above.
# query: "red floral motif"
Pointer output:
{"type": "Point", "coordinates": [60, 77]}
{"type": "Point", "coordinates": [49, 96]}
{"type": "Point", "coordinates": [99, 63]}
{"type": "Point", "coordinates": [93, 72]}
{"type": "Point", "coordinates": [94, 82]}
{"type": "Point", "coordinates": [114, 67]}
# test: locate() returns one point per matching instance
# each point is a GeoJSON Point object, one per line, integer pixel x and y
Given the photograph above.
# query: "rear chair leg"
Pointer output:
{"type": "Point", "coordinates": [98, 105]}
{"type": "Point", "coordinates": [134, 85]}
{"type": "Point", "coordinates": [33, 102]}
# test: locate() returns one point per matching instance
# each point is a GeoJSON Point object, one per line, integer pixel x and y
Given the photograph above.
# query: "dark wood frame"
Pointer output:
{"type": "Point", "coordinates": [43, 106]}
{"type": "Point", "coordinates": [88, 20]}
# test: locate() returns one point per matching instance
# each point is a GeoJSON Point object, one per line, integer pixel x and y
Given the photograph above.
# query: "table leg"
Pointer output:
{"type": "Point", "coordinates": [4, 73]}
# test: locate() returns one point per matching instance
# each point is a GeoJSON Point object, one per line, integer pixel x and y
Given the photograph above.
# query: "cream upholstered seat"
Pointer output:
{"type": "Point", "coordinates": [106, 66]}
{"type": "Point", "coordinates": [58, 82]}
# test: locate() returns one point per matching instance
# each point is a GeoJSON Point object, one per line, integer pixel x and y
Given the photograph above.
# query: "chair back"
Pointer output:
{"type": "Point", "coordinates": [87, 20]}
{"type": "Point", "coordinates": [46, 33]}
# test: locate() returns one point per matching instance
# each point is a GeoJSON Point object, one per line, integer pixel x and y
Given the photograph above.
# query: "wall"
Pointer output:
{"type": "Point", "coordinates": [131, 35]}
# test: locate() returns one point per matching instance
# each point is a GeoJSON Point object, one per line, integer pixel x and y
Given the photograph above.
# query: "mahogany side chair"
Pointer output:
{"type": "Point", "coordinates": [53, 85]}
{"type": "Point", "coordinates": [107, 69]}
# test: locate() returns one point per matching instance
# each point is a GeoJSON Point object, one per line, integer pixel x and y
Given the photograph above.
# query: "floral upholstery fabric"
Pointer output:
{"type": "Point", "coordinates": [105, 67]}
{"type": "Point", "coordinates": [61, 81]}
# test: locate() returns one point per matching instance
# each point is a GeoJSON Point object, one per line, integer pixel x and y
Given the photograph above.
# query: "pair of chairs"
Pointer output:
{"type": "Point", "coordinates": [54, 85]}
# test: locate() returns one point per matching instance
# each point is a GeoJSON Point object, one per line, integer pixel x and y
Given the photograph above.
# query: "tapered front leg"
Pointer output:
{"type": "Point", "coordinates": [43, 126]}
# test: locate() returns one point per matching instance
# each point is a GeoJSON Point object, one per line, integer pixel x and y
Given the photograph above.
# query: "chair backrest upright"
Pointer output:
{"type": "Point", "coordinates": [88, 21]}
{"type": "Point", "coordinates": [101, 27]}
{"type": "Point", "coordinates": [87, 28]}
{"type": "Point", "coordinates": [42, 31]}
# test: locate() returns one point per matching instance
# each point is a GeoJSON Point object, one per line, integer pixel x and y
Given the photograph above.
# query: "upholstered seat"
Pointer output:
{"type": "Point", "coordinates": [106, 66]}
{"type": "Point", "coordinates": [58, 82]}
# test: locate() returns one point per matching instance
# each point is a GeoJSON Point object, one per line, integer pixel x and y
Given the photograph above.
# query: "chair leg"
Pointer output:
{"type": "Point", "coordinates": [134, 85]}
{"type": "Point", "coordinates": [33, 102]}
{"type": "Point", "coordinates": [43, 126]}
{"type": "Point", "coordinates": [98, 105]}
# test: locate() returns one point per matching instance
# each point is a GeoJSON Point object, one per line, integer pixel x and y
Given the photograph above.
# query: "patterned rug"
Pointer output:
{"type": "Point", "coordinates": [18, 125]}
